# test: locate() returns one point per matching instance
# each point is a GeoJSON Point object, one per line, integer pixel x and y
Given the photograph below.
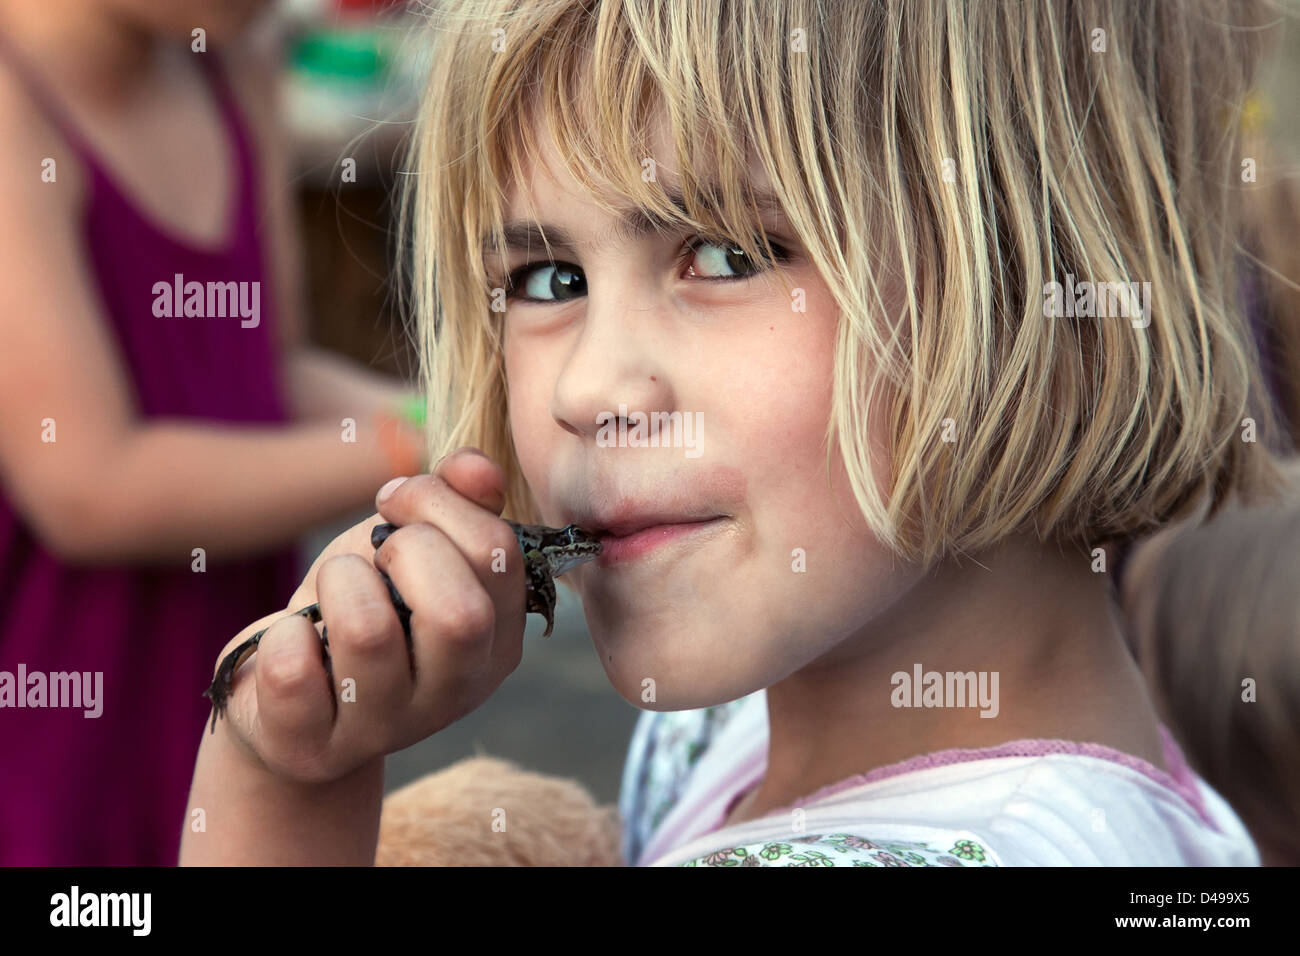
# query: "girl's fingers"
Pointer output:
{"type": "Point", "coordinates": [294, 715]}
{"type": "Point", "coordinates": [356, 540]}
{"type": "Point", "coordinates": [458, 567]}
{"type": "Point", "coordinates": [484, 539]}
{"type": "Point", "coordinates": [473, 475]}
{"type": "Point", "coordinates": [486, 543]}
{"type": "Point", "coordinates": [462, 498]}
{"type": "Point", "coordinates": [453, 622]}
{"type": "Point", "coordinates": [372, 679]}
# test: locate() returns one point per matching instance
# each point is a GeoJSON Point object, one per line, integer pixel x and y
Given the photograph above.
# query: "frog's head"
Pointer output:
{"type": "Point", "coordinates": [561, 549]}
{"type": "Point", "coordinates": [567, 548]}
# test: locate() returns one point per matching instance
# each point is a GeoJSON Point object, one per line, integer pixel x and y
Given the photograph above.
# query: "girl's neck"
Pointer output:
{"type": "Point", "coordinates": [99, 54]}
{"type": "Point", "coordinates": [1036, 617]}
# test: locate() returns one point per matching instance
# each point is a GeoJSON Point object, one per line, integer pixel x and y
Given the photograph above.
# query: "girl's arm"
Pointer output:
{"type": "Point", "coordinates": [324, 386]}
{"type": "Point", "coordinates": [163, 489]}
{"type": "Point", "coordinates": [110, 487]}
{"type": "Point", "coordinates": [240, 813]}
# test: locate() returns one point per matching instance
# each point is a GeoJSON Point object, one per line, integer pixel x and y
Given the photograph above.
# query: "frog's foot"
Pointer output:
{"type": "Point", "coordinates": [222, 684]}
{"type": "Point", "coordinates": [541, 598]}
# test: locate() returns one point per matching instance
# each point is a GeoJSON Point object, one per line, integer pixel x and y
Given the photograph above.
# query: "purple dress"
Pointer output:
{"type": "Point", "coordinates": [108, 790]}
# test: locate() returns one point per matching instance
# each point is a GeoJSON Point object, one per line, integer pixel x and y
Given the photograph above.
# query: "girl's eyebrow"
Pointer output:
{"type": "Point", "coordinates": [525, 235]}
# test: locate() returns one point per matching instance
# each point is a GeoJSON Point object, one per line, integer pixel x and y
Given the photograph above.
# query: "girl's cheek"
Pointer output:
{"type": "Point", "coordinates": [529, 387]}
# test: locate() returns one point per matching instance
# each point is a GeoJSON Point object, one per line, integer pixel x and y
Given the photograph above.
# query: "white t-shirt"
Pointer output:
{"type": "Point", "coordinates": [1022, 803]}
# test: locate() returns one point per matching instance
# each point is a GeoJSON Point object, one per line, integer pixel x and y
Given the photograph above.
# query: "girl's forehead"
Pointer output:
{"type": "Point", "coordinates": [546, 180]}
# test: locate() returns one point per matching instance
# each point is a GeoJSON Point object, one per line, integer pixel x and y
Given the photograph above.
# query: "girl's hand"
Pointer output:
{"type": "Point", "coordinates": [467, 624]}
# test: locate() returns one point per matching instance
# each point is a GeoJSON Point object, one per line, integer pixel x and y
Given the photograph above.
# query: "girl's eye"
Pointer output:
{"type": "Point", "coordinates": [714, 260]}
{"type": "Point", "coordinates": [723, 259]}
{"type": "Point", "coordinates": [551, 282]}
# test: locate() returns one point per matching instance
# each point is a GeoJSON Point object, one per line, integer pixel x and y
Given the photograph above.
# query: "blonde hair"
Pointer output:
{"type": "Point", "coordinates": [1110, 157]}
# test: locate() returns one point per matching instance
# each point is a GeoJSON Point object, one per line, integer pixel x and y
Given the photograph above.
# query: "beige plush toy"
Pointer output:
{"type": "Point", "coordinates": [483, 811]}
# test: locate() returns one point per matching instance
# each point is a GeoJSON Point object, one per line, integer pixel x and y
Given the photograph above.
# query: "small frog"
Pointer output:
{"type": "Point", "coordinates": [548, 552]}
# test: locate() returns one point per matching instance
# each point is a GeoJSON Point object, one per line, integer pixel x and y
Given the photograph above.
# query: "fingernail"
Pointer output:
{"type": "Point", "coordinates": [386, 492]}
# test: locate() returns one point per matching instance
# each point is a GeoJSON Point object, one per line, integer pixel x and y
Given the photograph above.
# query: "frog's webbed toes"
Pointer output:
{"type": "Point", "coordinates": [219, 690]}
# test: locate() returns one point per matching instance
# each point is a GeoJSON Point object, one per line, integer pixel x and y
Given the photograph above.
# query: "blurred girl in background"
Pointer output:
{"type": "Point", "coordinates": [130, 439]}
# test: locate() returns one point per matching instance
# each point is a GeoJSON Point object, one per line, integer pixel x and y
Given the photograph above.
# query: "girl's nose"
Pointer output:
{"type": "Point", "coordinates": [620, 363]}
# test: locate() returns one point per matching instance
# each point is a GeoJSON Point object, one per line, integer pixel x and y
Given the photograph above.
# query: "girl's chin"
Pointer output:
{"type": "Point", "coordinates": [699, 685]}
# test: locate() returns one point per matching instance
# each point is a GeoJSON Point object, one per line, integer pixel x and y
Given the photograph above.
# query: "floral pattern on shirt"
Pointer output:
{"type": "Point", "coordinates": [847, 849]}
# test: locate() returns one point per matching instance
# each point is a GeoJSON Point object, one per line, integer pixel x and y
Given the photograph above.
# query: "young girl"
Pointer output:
{"type": "Point", "coordinates": [154, 477]}
{"type": "Point", "coordinates": [871, 573]}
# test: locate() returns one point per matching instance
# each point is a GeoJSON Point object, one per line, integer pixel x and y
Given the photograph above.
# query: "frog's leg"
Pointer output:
{"type": "Point", "coordinates": [219, 690]}
{"type": "Point", "coordinates": [541, 597]}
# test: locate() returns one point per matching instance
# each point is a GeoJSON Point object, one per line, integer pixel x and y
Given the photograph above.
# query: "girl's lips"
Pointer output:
{"type": "Point", "coordinates": [619, 550]}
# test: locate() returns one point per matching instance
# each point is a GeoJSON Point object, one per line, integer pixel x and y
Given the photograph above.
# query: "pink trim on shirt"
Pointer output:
{"type": "Point", "coordinates": [1181, 780]}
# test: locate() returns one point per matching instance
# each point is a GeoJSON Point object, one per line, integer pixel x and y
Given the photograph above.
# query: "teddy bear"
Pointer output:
{"type": "Point", "coordinates": [485, 811]}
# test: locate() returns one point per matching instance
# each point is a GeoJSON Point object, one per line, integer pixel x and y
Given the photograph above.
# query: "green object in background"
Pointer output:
{"type": "Point", "coordinates": [412, 409]}
{"type": "Point", "coordinates": [340, 56]}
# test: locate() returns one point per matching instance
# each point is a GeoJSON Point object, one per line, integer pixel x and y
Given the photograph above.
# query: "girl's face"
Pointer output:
{"type": "Point", "coordinates": [692, 612]}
